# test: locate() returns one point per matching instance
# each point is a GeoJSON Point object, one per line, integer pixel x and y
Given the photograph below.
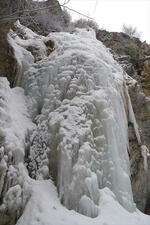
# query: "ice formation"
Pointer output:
{"type": "Point", "coordinates": [132, 117]}
{"type": "Point", "coordinates": [145, 154]}
{"type": "Point", "coordinates": [14, 121]}
{"type": "Point", "coordinates": [77, 95]}
{"type": "Point", "coordinates": [77, 100]}
{"type": "Point", "coordinates": [15, 124]}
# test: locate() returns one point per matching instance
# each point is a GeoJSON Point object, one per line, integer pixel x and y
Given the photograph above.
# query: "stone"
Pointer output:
{"type": "Point", "coordinates": [4, 219]}
{"type": "Point", "coordinates": [7, 60]}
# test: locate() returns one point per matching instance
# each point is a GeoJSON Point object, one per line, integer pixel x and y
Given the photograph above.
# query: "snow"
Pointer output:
{"type": "Point", "coordinates": [15, 124]}
{"type": "Point", "coordinates": [14, 120]}
{"type": "Point", "coordinates": [44, 208]}
{"type": "Point", "coordinates": [76, 98]}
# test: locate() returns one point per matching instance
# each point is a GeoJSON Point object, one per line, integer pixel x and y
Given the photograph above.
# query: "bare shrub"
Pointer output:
{"type": "Point", "coordinates": [84, 23]}
{"type": "Point", "coordinates": [131, 31]}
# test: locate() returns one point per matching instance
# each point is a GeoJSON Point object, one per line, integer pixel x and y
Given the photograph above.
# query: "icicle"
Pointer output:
{"type": "Point", "coordinates": [132, 116]}
{"type": "Point", "coordinates": [3, 169]}
{"type": "Point", "coordinates": [145, 153]}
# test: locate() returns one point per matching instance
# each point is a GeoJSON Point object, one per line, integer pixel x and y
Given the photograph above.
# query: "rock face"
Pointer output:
{"type": "Point", "coordinates": [45, 17]}
{"type": "Point", "coordinates": [140, 178]}
{"type": "Point", "coordinates": [42, 21]}
{"type": "Point", "coordinates": [134, 56]}
{"type": "Point", "coordinates": [7, 61]}
{"type": "Point", "coordinates": [145, 74]}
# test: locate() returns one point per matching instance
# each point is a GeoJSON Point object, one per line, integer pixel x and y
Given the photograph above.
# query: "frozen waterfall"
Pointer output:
{"type": "Point", "coordinates": [76, 96]}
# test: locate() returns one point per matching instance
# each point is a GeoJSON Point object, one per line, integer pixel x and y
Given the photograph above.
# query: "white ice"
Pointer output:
{"type": "Point", "coordinates": [76, 96]}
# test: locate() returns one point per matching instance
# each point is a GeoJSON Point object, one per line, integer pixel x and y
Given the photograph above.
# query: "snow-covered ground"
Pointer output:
{"type": "Point", "coordinates": [77, 98]}
{"type": "Point", "coordinates": [44, 208]}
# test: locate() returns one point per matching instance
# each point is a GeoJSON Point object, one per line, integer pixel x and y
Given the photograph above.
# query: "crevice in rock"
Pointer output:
{"type": "Point", "coordinates": [147, 208]}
